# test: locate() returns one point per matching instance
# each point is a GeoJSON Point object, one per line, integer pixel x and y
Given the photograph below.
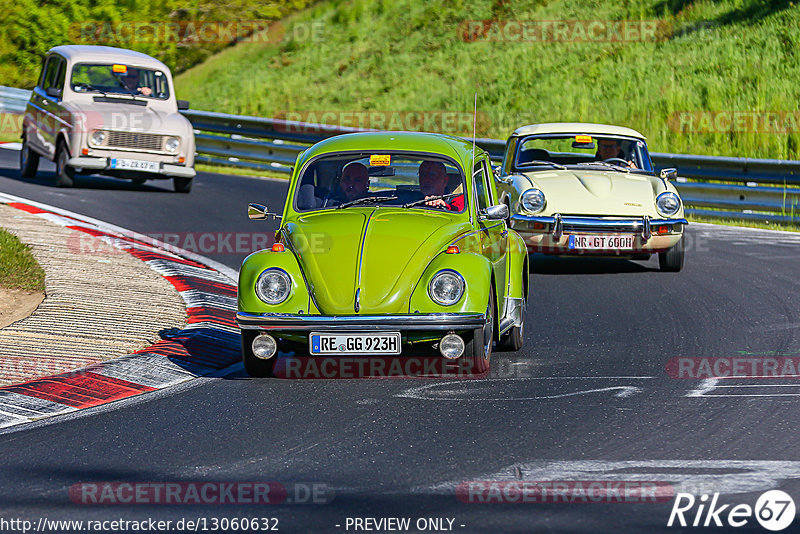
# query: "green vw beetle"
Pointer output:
{"type": "Point", "coordinates": [389, 243]}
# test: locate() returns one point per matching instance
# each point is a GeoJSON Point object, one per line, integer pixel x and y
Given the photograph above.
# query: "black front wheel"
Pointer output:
{"type": "Point", "coordinates": [65, 175]}
{"type": "Point", "coordinates": [671, 261]}
{"type": "Point", "coordinates": [28, 161]}
{"type": "Point", "coordinates": [182, 185]}
{"type": "Point", "coordinates": [479, 348]}
{"type": "Point", "coordinates": [255, 367]}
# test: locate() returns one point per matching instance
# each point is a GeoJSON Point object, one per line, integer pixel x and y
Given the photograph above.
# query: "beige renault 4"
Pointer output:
{"type": "Point", "coordinates": [109, 111]}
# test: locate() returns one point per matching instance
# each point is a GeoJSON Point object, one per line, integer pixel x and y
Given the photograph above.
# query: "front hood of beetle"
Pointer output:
{"type": "Point", "coordinates": [592, 192]}
{"type": "Point", "coordinates": [389, 248]}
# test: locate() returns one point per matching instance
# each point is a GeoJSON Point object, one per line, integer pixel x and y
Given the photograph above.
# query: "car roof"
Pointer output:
{"type": "Point", "coordinates": [446, 145]}
{"type": "Point", "coordinates": [576, 128]}
{"type": "Point", "coordinates": [106, 54]}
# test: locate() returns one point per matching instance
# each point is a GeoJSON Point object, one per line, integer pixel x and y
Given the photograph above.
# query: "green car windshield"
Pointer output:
{"type": "Point", "coordinates": [577, 149]}
{"type": "Point", "coordinates": [380, 179]}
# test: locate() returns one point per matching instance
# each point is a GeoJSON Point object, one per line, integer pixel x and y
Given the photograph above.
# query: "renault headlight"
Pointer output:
{"type": "Point", "coordinates": [446, 287]}
{"type": "Point", "coordinates": [273, 286]}
{"type": "Point", "coordinates": [98, 136]}
{"type": "Point", "coordinates": [533, 201]}
{"type": "Point", "coordinates": [668, 204]}
{"type": "Point", "coordinates": [172, 144]}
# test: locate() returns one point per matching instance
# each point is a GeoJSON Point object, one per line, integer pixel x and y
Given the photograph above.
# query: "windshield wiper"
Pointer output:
{"type": "Point", "coordinates": [542, 162]}
{"type": "Point", "coordinates": [91, 88]}
{"type": "Point", "coordinates": [619, 168]}
{"type": "Point", "coordinates": [436, 197]}
{"type": "Point", "coordinates": [365, 200]}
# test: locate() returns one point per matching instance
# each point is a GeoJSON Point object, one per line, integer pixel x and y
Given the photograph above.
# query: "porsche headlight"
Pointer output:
{"type": "Point", "coordinates": [172, 144]}
{"type": "Point", "coordinates": [532, 201]}
{"type": "Point", "coordinates": [446, 287]}
{"type": "Point", "coordinates": [668, 204]}
{"type": "Point", "coordinates": [98, 136]}
{"type": "Point", "coordinates": [273, 286]}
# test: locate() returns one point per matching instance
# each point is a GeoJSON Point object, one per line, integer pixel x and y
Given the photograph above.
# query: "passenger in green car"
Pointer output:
{"type": "Point", "coordinates": [433, 182]}
{"type": "Point", "coordinates": [355, 181]}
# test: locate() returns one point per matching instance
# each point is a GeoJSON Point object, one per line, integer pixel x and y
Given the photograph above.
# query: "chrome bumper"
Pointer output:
{"type": "Point", "coordinates": [560, 225]}
{"type": "Point", "coordinates": [432, 321]}
{"type": "Point", "coordinates": [102, 164]}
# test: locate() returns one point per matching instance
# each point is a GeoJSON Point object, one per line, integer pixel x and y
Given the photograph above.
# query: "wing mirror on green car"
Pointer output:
{"type": "Point", "coordinates": [495, 213]}
{"type": "Point", "coordinates": [257, 212]}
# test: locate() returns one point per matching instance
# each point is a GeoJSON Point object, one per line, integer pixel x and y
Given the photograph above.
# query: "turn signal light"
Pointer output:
{"type": "Point", "coordinates": [278, 247]}
{"type": "Point", "coordinates": [662, 230]}
{"type": "Point", "coordinates": [85, 151]}
{"type": "Point", "coordinates": [538, 226]}
{"type": "Point", "coordinates": [181, 159]}
{"type": "Point", "coordinates": [452, 249]}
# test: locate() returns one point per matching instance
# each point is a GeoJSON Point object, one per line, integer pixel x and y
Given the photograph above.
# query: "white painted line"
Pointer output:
{"type": "Point", "coordinates": [692, 476]}
{"type": "Point", "coordinates": [475, 390]}
{"type": "Point", "coordinates": [708, 384]}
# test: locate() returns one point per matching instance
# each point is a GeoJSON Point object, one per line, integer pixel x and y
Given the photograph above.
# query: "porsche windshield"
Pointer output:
{"type": "Point", "coordinates": [380, 179]}
{"type": "Point", "coordinates": [119, 79]}
{"type": "Point", "coordinates": [589, 150]}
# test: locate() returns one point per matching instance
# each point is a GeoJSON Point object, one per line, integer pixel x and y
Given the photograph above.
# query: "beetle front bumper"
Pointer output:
{"type": "Point", "coordinates": [302, 323]}
{"type": "Point", "coordinates": [550, 234]}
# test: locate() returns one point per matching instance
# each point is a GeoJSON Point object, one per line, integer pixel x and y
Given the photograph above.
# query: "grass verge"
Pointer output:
{"type": "Point", "coordinates": [728, 56]}
{"type": "Point", "coordinates": [18, 268]}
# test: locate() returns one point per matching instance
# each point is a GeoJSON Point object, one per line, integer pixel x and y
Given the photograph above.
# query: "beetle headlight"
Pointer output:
{"type": "Point", "coordinates": [273, 286]}
{"type": "Point", "coordinates": [532, 200]}
{"type": "Point", "coordinates": [172, 144]}
{"type": "Point", "coordinates": [446, 287]}
{"type": "Point", "coordinates": [668, 204]}
{"type": "Point", "coordinates": [98, 136]}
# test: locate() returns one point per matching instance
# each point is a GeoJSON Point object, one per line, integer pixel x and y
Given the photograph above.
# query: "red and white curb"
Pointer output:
{"type": "Point", "coordinates": [208, 343]}
{"type": "Point", "coordinates": [11, 145]}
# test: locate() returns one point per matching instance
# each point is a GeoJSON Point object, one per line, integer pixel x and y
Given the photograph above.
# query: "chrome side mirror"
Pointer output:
{"type": "Point", "coordinates": [257, 212]}
{"type": "Point", "coordinates": [669, 174]}
{"type": "Point", "coordinates": [495, 213]}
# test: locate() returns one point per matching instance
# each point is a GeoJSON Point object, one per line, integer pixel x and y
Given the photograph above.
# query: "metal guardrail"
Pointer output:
{"type": "Point", "coordinates": [757, 189]}
{"type": "Point", "coordinates": [13, 100]}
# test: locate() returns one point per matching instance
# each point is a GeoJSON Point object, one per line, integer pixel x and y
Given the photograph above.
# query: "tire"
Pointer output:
{"type": "Point", "coordinates": [182, 185]}
{"type": "Point", "coordinates": [255, 367]}
{"type": "Point", "coordinates": [671, 261]}
{"type": "Point", "coordinates": [28, 161]}
{"type": "Point", "coordinates": [479, 348]}
{"type": "Point", "coordinates": [511, 341]}
{"type": "Point", "coordinates": [65, 175]}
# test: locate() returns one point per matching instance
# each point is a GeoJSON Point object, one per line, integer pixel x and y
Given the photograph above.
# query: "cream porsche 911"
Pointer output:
{"type": "Point", "coordinates": [590, 189]}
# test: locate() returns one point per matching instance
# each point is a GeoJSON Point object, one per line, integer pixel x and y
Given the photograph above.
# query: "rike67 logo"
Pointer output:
{"type": "Point", "coordinates": [774, 510]}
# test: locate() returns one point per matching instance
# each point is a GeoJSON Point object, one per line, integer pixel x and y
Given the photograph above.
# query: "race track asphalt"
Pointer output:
{"type": "Point", "coordinates": [587, 398]}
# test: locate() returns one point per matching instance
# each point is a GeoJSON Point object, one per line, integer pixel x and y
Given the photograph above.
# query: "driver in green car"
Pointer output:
{"type": "Point", "coordinates": [355, 181]}
{"type": "Point", "coordinates": [433, 182]}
